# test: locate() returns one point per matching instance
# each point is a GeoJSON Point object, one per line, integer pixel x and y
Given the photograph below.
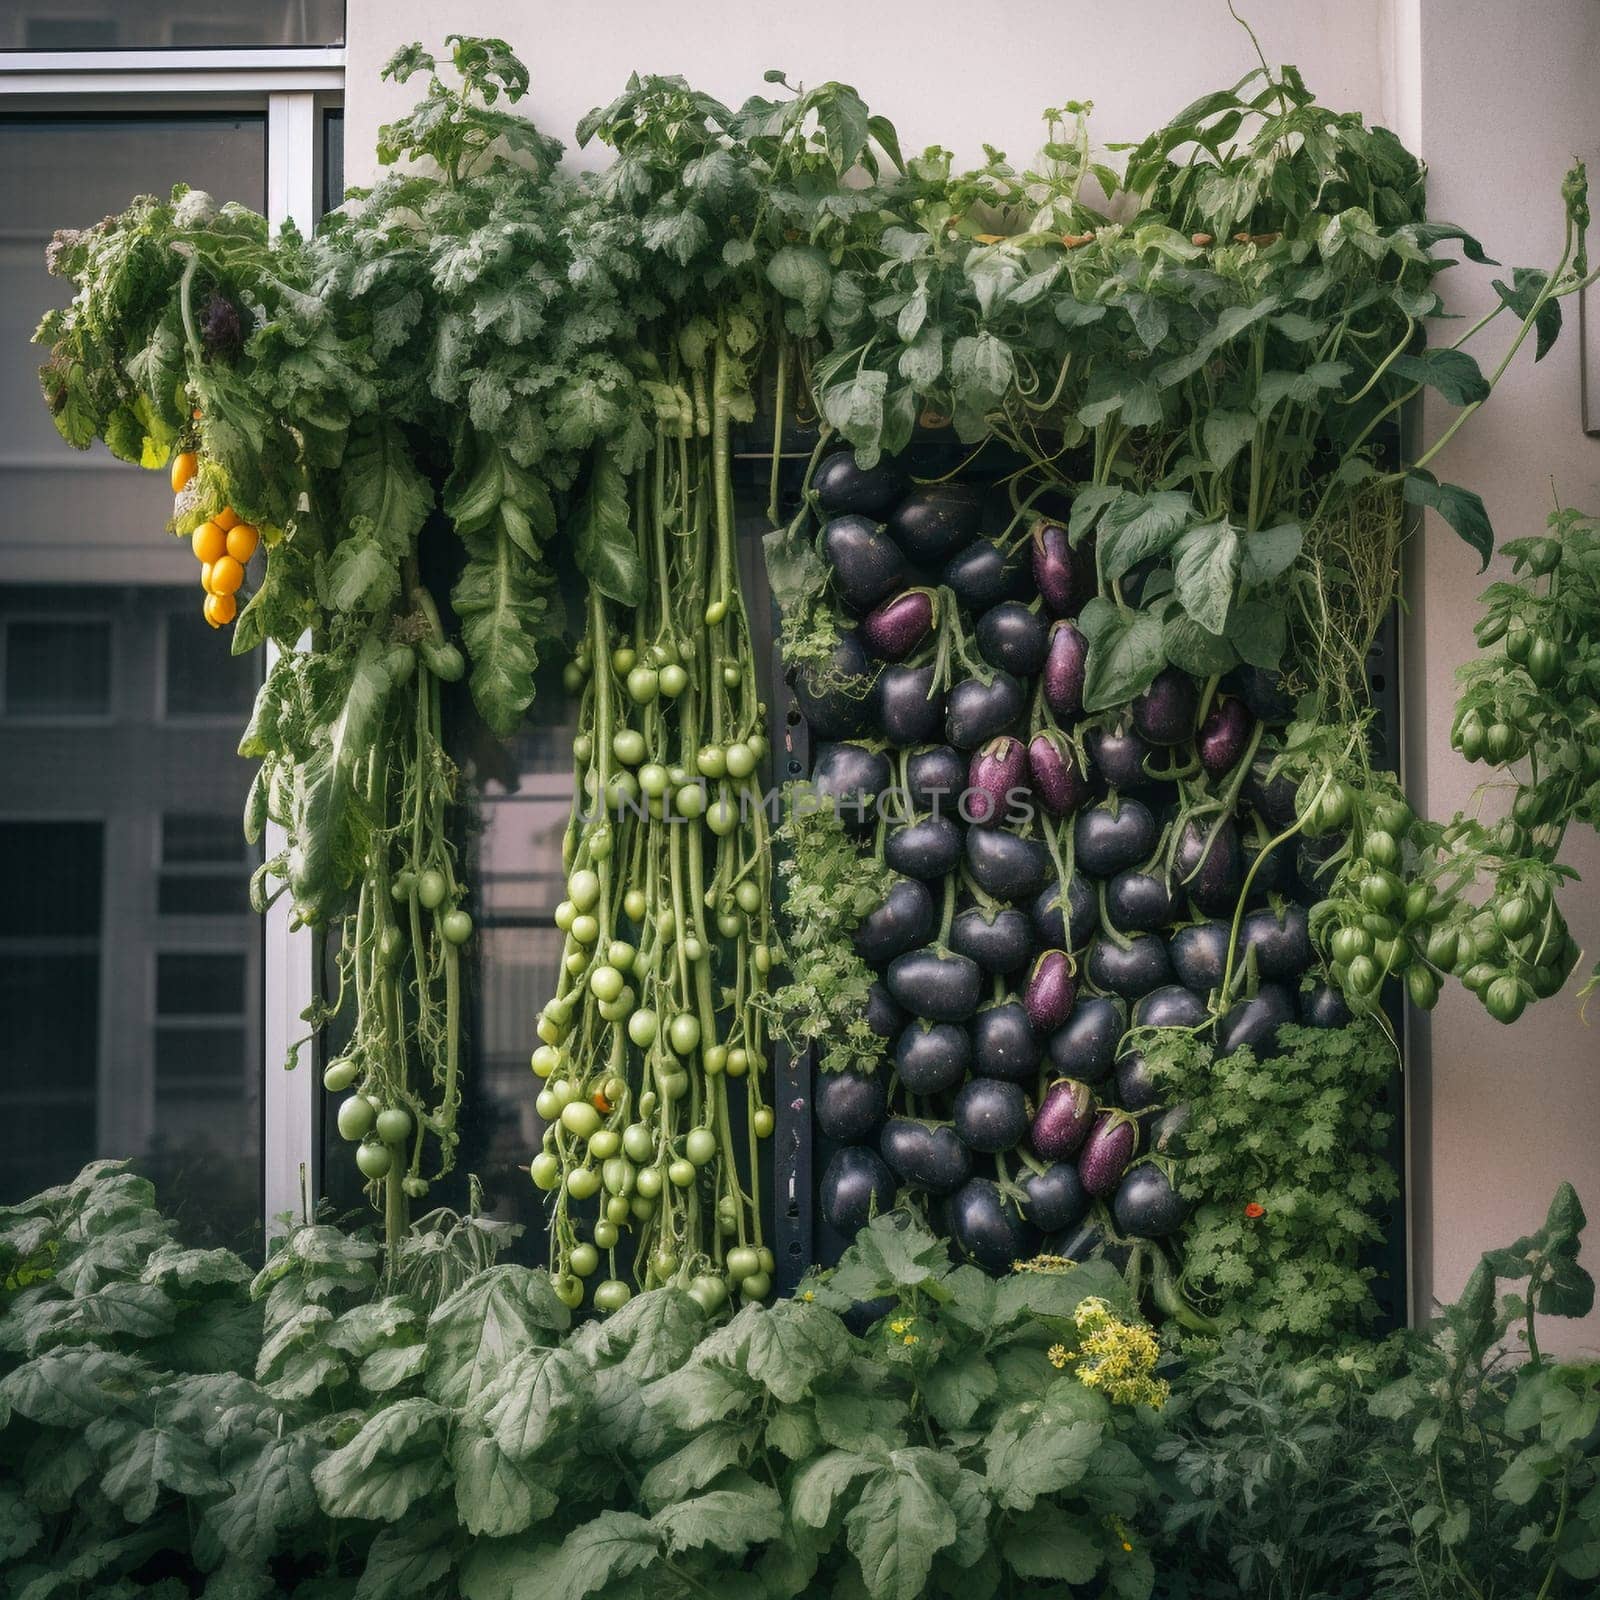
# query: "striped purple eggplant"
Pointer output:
{"type": "Point", "coordinates": [1052, 988]}
{"type": "Point", "coordinates": [1052, 568]}
{"type": "Point", "coordinates": [1064, 664]}
{"type": "Point", "coordinates": [899, 625]}
{"type": "Point", "coordinates": [1111, 1145]}
{"type": "Point", "coordinates": [1223, 736]}
{"type": "Point", "coordinates": [1063, 1120]}
{"type": "Point", "coordinates": [1057, 778]}
{"type": "Point", "coordinates": [998, 768]}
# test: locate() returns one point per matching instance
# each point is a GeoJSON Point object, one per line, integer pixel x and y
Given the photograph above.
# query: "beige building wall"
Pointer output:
{"type": "Point", "coordinates": [1496, 97]}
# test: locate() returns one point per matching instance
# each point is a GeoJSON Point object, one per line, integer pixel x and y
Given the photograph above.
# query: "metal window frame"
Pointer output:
{"type": "Point", "coordinates": [293, 86]}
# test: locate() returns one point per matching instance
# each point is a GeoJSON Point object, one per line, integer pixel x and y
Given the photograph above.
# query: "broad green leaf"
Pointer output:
{"type": "Point", "coordinates": [1050, 1542]}
{"type": "Point", "coordinates": [1301, 388]}
{"type": "Point", "coordinates": [705, 1457]}
{"type": "Point", "coordinates": [1135, 527]}
{"type": "Point", "coordinates": [922, 361]}
{"type": "Point", "coordinates": [898, 1524]}
{"type": "Point", "coordinates": [494, 1317]}
{"type": "Point", "coordinates": [379, 480]}
{"type": "Point", "coordinates": [269, 1493]}
{"type": "Point", "coordinates": [731, 1518]}
{"type": "Point", "coordinates": [156, 1459]}
{"type": "Point", "coordinates": [694, 1396]}
{"type": "Point", "coordinates": [1461, 508]}
{"type": "Point", "coordinates": [362, 575]}
{"type": "Point", "coordinates": [500, 601]}
{"type": "Point", "coordinates": [495, 1495]}
{"type": "Point", "coordinates": [982, 368]}
{"type": "Point", "coordinates": [851, 1417]}
{"type": "Point", "coordinates": [1454, 373]}
{"type": "Point", "coordinates": [604, 544]}
{"type": "Point", "coordinates": [855, 408]}
{"type": "Point", "coordinates": [390, 1367]}
{"type": "Point", "coordinates": [395, 1460]}
{"type": "Point", "coordinates": [819, 1484]}
{"type": "Point", "coordinates": [1267, 554]}
{"type": "Point", "coordinates": [1030, 1452]}
{"type": "Point", "coordinates": [650, 1336]}
{"type": "Point", "coordinates": [954, 1389]}
{"type": "Point", "coordinates": [1258, 630]}
{"type": "Point", "coordinates": [784, 1347]}
{"type": "Point", "coordinates": [175, 1268]}
{"type": "Point", "coordinates": [70, 1388]}
{"type": "Point", "coordinates": [1224, 434]}
{"type": "Point", "coordinates": [1087, 505]}
{"type": "Point", "coordinates": [800, 273]}
{"type": "Point", "coordinates": [1187, 645]}
{"type": "Point", "coordinates": [607, 1547]}
{"type": "Point", "coordinates": [1521, 295]}
{"type": "Point", "coordinates": [1206, 573]}
{"type": "Point", "coordinates": [20, 1525]}
{"type": "Point", "coordinates": [1123, 660]}
{"type": "Point", "coordinates": [405, 1561]}
{"type": "Point", "coordinates": [540, 1395]}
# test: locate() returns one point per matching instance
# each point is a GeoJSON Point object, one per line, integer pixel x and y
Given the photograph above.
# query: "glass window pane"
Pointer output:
{"type": "Point", "coordinates": [142, 801]}
{"type": "Point", "coordinates": [57, 668]}
{"type": "Point", "coordinates": [169, 24]}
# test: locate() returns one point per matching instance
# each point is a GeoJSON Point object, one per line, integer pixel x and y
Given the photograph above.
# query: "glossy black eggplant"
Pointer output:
{"type": "Point", "coordinates": [999, 941]}
{"type": "Point", "coordinates": [860, 1316]}
{"type": "Point", "coordinates": [849, 1106]}
{"type": "Point", "coordinates": [1118, 758]}
{"type": "Point", "coordinates": [925, 1155]}
{"type": "Point", "coordinates": [1004, 1045]}
{"type": "Point", "coordinates": [1130, 972]}
{"type": "Point", "coordinates": [905, 706]}
{"type": "Point", "coordinates": [1200, 955]}
{"type": "Point", "coordinates": [977, 711]}
{"type": "Point", "coordinates": [850, 778]}
{"type": "Point", "coordinates": [1272, 799]}
{"type": "Point", "coordinates": [841, 486]}
{"type": "Point", "coordinates": [1276, 873]}
{"type": "Point", "coordinates": [932, 1057]}
{"type": "Point", "coordinates": [905, 919]}
{"type": "Point", "coordinates": [1137, 1086]}
{"type": "Point", "coordinates": [934, 520]}
{"type": "Point", "coordinates": [1112, 836]}
{"type": "Point", "coordinates": [1146, 1206]}
{"type": "Point", "coordinates": [1138, 902]}
{"type": "Point", "coordinates": [884, 1017]}
{"type": "Point", "coordinates": [1055, 1198]}
{"type": "Point", "coordinates": [868, 566]}
{"type": "Point", "coordinates": [1323, 1006]}
{"type": "Point", "coordinates": [1163, 1134]}
{"type": "Point", "coordinates": [1066, 659]}
{"type": "Point", "coordinates": [1208, 865]}
{"type": "Point", "coordinates": [1282, 943]}
{"type": "Point", "coordinates": [1006, 865]}
{"type": "Point", "coordinates": [855, 1187]}
{"type": "Point", "coordinates": [986, 1227]}
{"type": "Point", "coordinates": [1164, 714]}
{"type": "Point", "coordinates": [983, 575]}
{"type": "Point", "coordinates": [939, 985]}
{"type": "Point", "coordinates": [1254, 1023]}
{"type": "Point", "coordinates": [1170, 1006]}
{"type": "Point", "coordinates": [1013, 637]}
{"type": "Point", "coordinates": [927, 848]}
{"type": "Point", "coordinates": [834, 699]}
{"type": "Point", "coordinates": [1262, 693]}
{"type": "Point", "coordinates": [1082, 918]}
{"type": "Point", "coordinates": [1223, 737]}
{"type": "Point", "coordinates": [990, 1114]}
{"type": "Point", "coordinates": [936, 778]}
{"type": "Point", "coordinates": [1086, 1048]}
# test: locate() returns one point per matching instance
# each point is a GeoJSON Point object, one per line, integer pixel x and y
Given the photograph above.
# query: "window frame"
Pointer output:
{"type": "Point", "coordinates": [55, 719]}
{"type": "Point", "coordinates": [294, 86]}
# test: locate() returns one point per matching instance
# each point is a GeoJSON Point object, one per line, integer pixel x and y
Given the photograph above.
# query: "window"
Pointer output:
{"type": "Point", "coordinates": [204, 866]}
{"type": "Point", "coordinates": [201, 676]}
{"type": "Point", "coordinates": [56, 668]}
{"type": "Point", "coordinates": [169, 24]}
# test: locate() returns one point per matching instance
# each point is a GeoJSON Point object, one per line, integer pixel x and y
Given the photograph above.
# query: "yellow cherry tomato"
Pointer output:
{"type": "Point", "coordinates": [226, 575]}
{"type": "Point", "coordinates": [184, 467]}
{"type": "Point", "coordinates": [220, 609]}
{"type": "Point", "coordinates": [242, 542]}
{"type": "Point", "coordinates": [208, 542]}
{"type": "Point", "coordinates": [205, 577]}
{"type": "Point", "coordinates": [226, 518]}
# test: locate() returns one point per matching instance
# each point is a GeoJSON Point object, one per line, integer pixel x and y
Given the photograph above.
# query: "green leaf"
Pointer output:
{"type": "Point", "coordinates": [1206, 573]}
{"type": "Point", "coordinates": [981, 368]}
{"type": "Point", "coordinates": [695, 1396]}
{"type": "Point", "coordinates": [899, 1523]}
{"type": "Point", "coordinates": [1187, 645]}
{"type": "Point", "coordinates": [1258, 630]}
{"type": "Point", "coordinates": [1461, 508]}
{"type": "Point", "coordinates": [1135, 527]}
{"type": "Point", "coordinates": [396, 1459]}
{"type": "Point", "coordinates": [1301, 388]}
{"type": "Point", "coordinates": [402, 1562]}
{"type": "Point", "coordinates": [1123, 660]}
{"type": "Point", "coordinates": [731, 1518]}
{"type": "Point", "coordinates": [1527, 283]}
{"type": "Point", "coordinates": [20, 1524]}
{"type": "Point", "coordinates": [1050, 1542]}
{"type": "Point", "coordinates": [495, 1495]}
{"type": "Point", "coordinates": [155, 1459]}
{"type": "Point", "coordinates": [705, 1457]}
{"type": "Point", "coordinates": [801, 274]}
{"type": "Point", "coordinates": [1454, 373]}
{"type": "Point", "coordinates": [270, 1492]}
{"type": "Point", "coordinates": [378, 480]}
{"type": "Point", "coordinates": [818, 1486]}
{"type": "Point", "coordinates": [650, 1336]}
{"type": "Point", "coordinates": [607, 1547]}
{"type": "Point", "coordinates": [70, 1388]}
{"type": "Point", "coordinates": [362, 574]}
{"type": "Point", "coordinates": [1029, 1453]}
{"type": "Point", "coordinates": [855, 408]}
{"type": "Point", "coordinates": [540, 1395]}
{"type": "Point", "coordinates": [502, 610]}
{"type": "Point", "coordinates": [1224, 434]}
{"type": "Point", "coordinates": [784, 1347]}
{"type": "Point", "coordinates": [954, 1389]}
{"type": "Point", "coordinates": [603, 541]}
{"type": "Point", "coordinates": [1267, 554]}
{"type": "Point", "coordinates": [495, 1316]}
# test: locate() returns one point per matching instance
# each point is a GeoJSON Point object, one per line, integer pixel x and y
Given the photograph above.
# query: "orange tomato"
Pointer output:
{"type": "Point", "coordinates": [226, 575]}
{"type": "Point", "coordinates": [242, 542]}
{"type": "Point", "coordinates": [208, 542]}
{"type": "Point", "coordinates": [220, 609]}
{"type": "Point", "coordinates": [226, 518]}
{"type": "Point", "coordinates": [205, 577]}
{"type": "Point", "coordinates": [184, 467]}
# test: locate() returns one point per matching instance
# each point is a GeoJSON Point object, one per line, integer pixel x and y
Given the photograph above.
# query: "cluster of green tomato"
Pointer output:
{"type": "Point", "coordinates": [378, 1132]}
{"type": "Point", "coordinates": [433, 889]}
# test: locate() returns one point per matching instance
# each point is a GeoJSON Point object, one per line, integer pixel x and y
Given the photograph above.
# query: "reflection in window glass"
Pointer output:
{"type": "Point", "coordinates": [109, 1050]}
{"type": "Point", "coordinates": [169, 24]}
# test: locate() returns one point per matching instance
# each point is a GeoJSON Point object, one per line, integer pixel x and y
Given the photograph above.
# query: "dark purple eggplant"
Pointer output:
{"type": "Point", "coordinates": [1114, 835]}
{"type": "Point", "coordinates": [1133, 972]}
{"type": "Point", "coordinates": [1209, 865]}
{"type": "Point", "coordinates": [850, 1106]}
{"type": "Point", "coordinates": [1322, 1006]}
{"type": "Point", "coordinates": [935, 520]}
{"type": "Point", "coordinates": [1223, 737]}
{"type": "Point", "coordinates": [851, 778]}
{"type": "Point", "coordinates": [986, 1227]}
{"type": "Point", "coordinates": [1003, 1044]}
{"type": "Point", "coordinates": [998, 941]}
{"type": "Point", "coordinates": [1063, 1120]}
{"type": "Point", "coordinates": [904, 920]}
{"type": "Point", "coordinates": [1083, 914]}
{"type": "Point", "coordinates": [938, 985]}
{"type": "Point", "coordinates": [1052, 989]}
{"type": "Point", "coordinates": [894, 629]}
{"type": "Point", "coordinates": [841, 486]}
{"type": "Point", "coordinates": [983, 575]}
{"type": "Point", "coordinates": [1086, 1047]}
{"type": "Point", "coordinates": [1054, 1199]}
{"type": "Point", "coordinates": [1272, 799]}
{"type": "Point", "coordinates": [1057, 779]}
{"type": "Point", "coordinates": [1013, 637]}
{"type": "Point", "coordinates": [905, 706]}
{"type": "Point", "coordinates": [996, 781]}
{"type": "Point", "coordinates": [1276, 873]}
{"type": "Point", "coordinates": [977, 711]}
{"type": "Point", "coordinates": [1200, 955]}
{"type": "Point", "coordinates": [1164, 714]}
{"type": "Point", "coordinates": [1006, 865]}
{"type": "Point", "coordinates": [936, 779]}
{"type": "Point", "coordinates": [1086, 1242]}
{"type": "Point", "coordinates": [1137, 1087]}
{"type": "Point", "coordinates": [1146, 1204]}
{"type": "Point", "coordinates": [990, 1114]}
{"type": "Point", "coordinates": [932, 1057]}
{"type": "Point", "coordinates": [1065, 659]}
{"type": "Point", "coordinates": [1170, 1006]}
{"type": "Point", "coordinates": [1254, 1023]}
{"type": "Point", "coordinates": [1262, 693]}
{"type": "Point", "coordinates": [884, 1017]}
{"type": "Point", "coordinates": [925, 1156]}
{"type": "Point", "coordinates": [861, 1316]}
{"type": "Point", "coordinates": [927, 848]}
{"type": "Point", "coordinates": [1111, 1145]}
{"type": "Point", "coordinates": [1282, 945]}
{"type": "Point", "coordinates": [1138, 902]}
{"type": "Point", "coordinates": [856, 1185]}
{"type": "Point", "coordinates": [1118, 759]}
{"type": "Point", "coordinates": [1163, 1134]}
{"type": "Point", "coordinates": [834, 699]}
{"type": "Point", "coordinates": [1053, 569]}
{"type": "Point", "coordinates": [867, 564]}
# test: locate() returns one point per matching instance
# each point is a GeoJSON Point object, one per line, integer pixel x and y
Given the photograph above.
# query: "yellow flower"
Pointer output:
{"type": "Point", "coordinates": [806, 1294]}
{"type": "Point", "coordinates": [911, 1338]}
{"type": "Point", "coordinates": [899, 1325]}
{"type": "Point", "coordinates": [1118, 1358]}
{"type": "Point", "coordinates": [1057, 1356]}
